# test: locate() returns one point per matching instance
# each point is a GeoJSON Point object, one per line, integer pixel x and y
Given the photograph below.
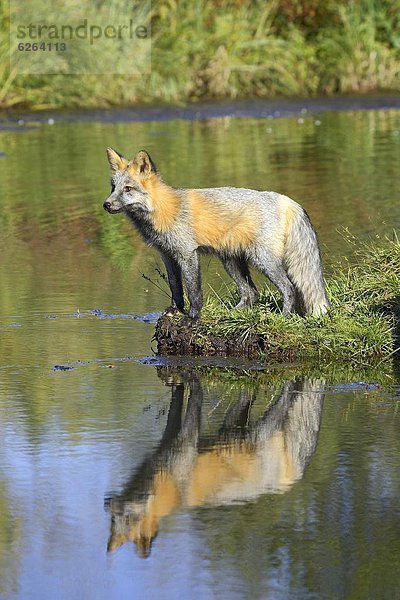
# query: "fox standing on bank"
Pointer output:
{"type": "Point", "coordinates": [242, 227]}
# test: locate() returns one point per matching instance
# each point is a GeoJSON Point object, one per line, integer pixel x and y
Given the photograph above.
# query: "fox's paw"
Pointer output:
{"type": "Point", "coordinates": [244, 304]}
{"type": "Point", "coordinates": [188, 321]}
{"type": "Point", "coordinates": [172, 311]}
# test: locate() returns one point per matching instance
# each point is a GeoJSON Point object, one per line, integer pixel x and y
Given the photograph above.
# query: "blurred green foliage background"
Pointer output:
{"type": "Point", "coordinates": [234, 48]}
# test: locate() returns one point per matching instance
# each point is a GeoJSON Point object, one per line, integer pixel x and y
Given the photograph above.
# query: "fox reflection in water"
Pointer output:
{"type": "Point", "coordinates": [245, 461]}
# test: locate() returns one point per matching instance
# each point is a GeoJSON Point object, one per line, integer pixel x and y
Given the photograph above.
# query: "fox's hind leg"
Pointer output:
{"type": "Point", "coordinates": [272, 267]}
{"type": "Point", "coordinates": [237, 268]}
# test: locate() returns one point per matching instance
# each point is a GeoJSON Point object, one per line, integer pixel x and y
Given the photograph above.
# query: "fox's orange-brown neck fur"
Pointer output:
{"type": "Point", "coordinates": [165, 202]}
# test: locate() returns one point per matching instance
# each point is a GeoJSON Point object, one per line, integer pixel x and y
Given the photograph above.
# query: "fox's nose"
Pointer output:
{"type": "Point", "coordinates": [107, 205]}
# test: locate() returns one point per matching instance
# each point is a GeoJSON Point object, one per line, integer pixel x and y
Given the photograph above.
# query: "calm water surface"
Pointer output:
{"type": "Point", "coordinates": [120, 479]}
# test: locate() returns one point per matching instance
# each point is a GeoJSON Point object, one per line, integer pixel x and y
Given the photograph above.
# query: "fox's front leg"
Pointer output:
{"type": "Point", "coordinates": [175, 282]}
{"type": "Point", "coordinates": [190, 268]}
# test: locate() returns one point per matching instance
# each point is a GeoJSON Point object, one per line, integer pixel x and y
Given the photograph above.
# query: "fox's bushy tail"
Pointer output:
{"type": "Point", "coordinates": [304, 267]}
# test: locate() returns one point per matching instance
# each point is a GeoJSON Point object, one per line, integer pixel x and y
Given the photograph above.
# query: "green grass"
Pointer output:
{"type": "Point", "coordinates": [235, 48]}
{"type": "Point", "coordinates": [361, 328]}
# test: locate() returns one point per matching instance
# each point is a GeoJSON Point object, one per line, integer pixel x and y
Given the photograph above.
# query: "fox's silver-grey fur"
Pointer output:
{"type": "Point", "coordinates": [243, 227]}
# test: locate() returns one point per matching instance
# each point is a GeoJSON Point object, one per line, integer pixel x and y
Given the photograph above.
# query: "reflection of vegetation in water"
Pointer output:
{"type": "Point", "coordinates": [10, 543]}
{"type": "Point", "coordinates": [343, 172]}
{"type": "Point", "coordinates": [227, 48]}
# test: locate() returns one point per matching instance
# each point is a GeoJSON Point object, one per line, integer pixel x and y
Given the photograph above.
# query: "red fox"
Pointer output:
{"type": "Point", "coordinates": [243, 227]}
{"type": "Point", "coordinates": [248, 459]}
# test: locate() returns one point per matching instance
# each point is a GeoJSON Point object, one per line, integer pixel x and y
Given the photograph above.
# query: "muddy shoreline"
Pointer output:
{"type": "Point", "coordinates": [247, 108]}
{"type": "Point", "coordinates": [174, 340]}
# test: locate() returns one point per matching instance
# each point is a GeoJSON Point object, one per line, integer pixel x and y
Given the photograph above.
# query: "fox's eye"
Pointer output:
{"type": "Point", "coordinates": [128, 188]}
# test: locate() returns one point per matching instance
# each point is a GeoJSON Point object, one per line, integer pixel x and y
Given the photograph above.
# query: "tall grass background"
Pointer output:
{"type": "Point", "coordinates": [235, 48]}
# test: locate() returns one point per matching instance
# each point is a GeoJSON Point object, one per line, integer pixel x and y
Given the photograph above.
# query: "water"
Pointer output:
{"type": "Point", "coordinates": [269, 487]}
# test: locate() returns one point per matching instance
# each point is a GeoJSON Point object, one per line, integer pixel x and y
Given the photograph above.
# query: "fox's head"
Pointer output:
{"type": "Point", "coordinates": [137, 520]}
{"type": "Point", "coordinates": [132, 522]}
{"type": "Point", "coordinates": [130, 179]}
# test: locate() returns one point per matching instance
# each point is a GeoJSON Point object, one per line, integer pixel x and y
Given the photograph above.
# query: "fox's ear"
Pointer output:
{"type": "Point", "coordinates": [116, 160]}
{"type": "Point", "coordinates": [143, 165]}
{"type": "Point", "coordinates": [115, 541]}
{"type": "Point", "coordinates": [143, 546]}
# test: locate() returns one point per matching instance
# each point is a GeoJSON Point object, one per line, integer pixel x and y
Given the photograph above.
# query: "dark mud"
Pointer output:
{"type": "Point", "coordinates": [173, 339]}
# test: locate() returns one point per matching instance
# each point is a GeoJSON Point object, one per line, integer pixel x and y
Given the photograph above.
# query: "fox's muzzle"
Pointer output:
{"type": "Point", "coordinates": [111, 208]}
